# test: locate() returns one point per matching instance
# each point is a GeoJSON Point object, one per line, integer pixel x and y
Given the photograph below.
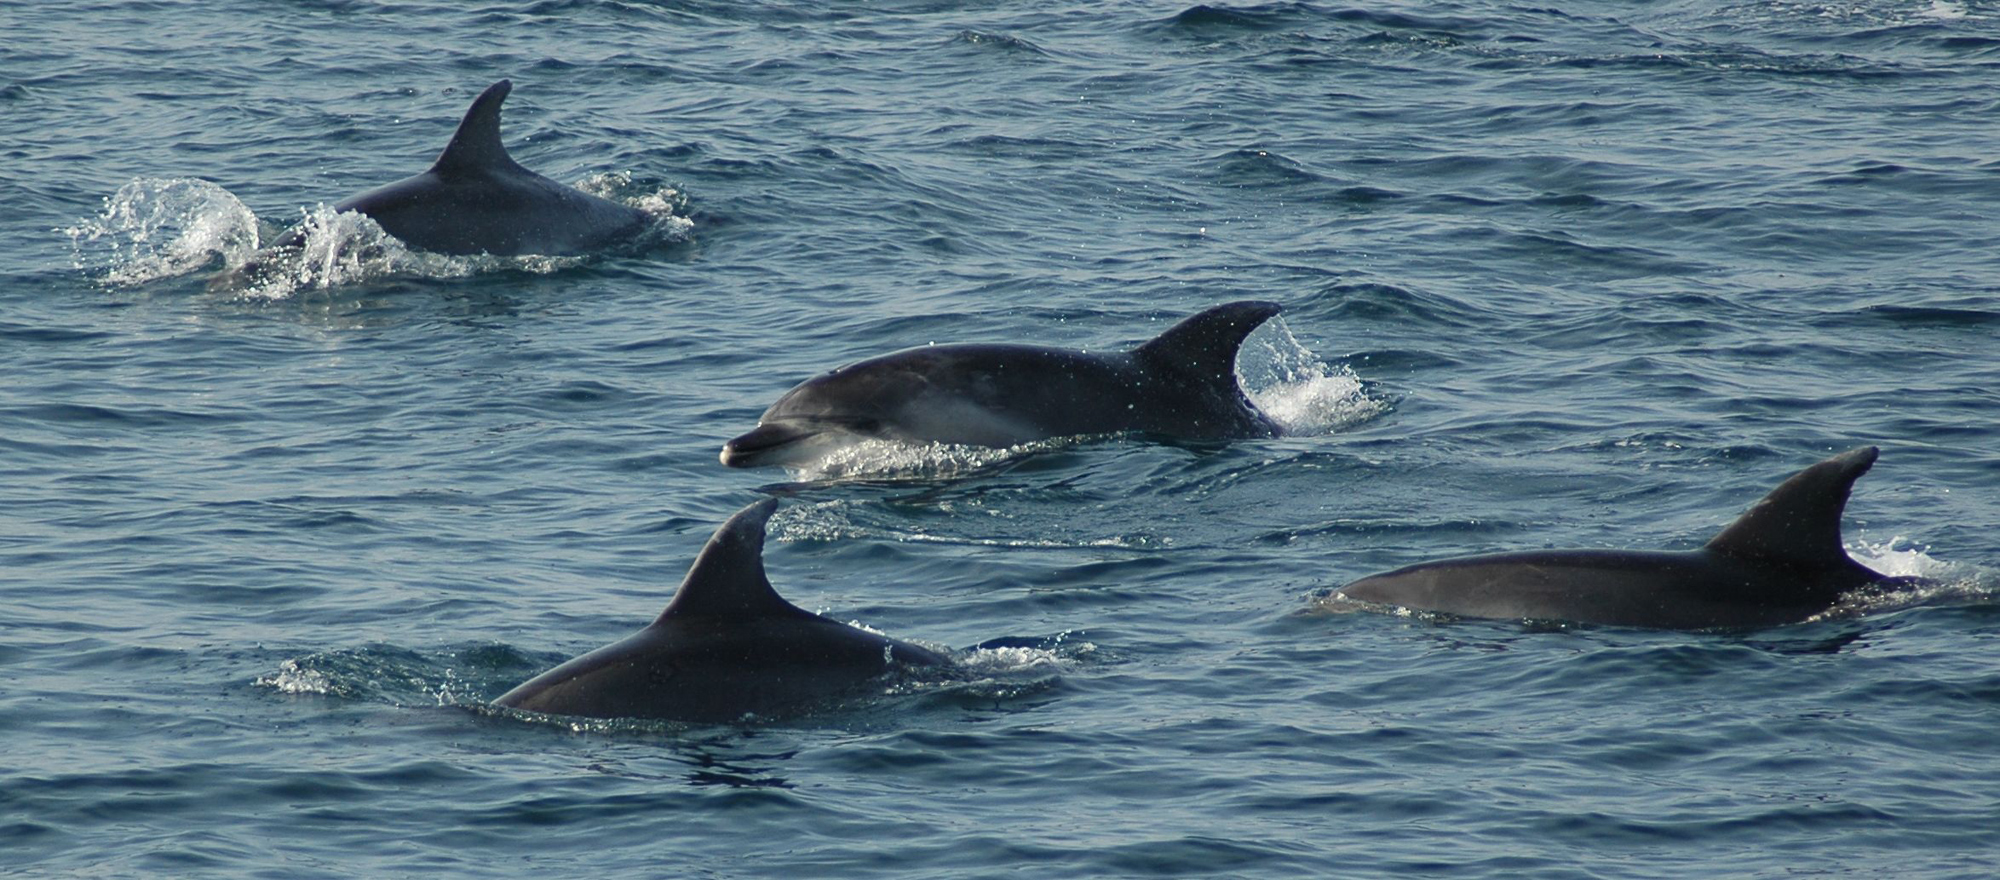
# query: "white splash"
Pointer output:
{"type": "Point", "coordinates": [1304, 395]}
{"type": "Point", "coordinates": [1058, 657]}
{"type": "Point", "coordinates": [341, 248]}
{"type": "Point", "coordinates": [1901, 557]}
{"type": "Point", "coordinates": [668, 206]}
{"type": "Point", "coordinates": [291, 678]}
{"type": "Point", "coordinates": [155, 228]}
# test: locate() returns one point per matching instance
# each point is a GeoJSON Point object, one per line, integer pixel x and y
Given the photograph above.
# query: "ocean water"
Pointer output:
{"type": "Point", "coordinates": [1582, 274]}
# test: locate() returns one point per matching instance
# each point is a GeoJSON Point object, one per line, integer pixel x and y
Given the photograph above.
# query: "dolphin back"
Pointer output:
{"type": "Point", "coordinates": [1781, 562]}
{"type": "Point", "coordinates": [476, 199]}
{"type": "Point", "coordinates": [727, 646]}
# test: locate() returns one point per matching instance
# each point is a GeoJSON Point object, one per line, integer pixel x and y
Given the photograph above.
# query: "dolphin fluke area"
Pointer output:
{"type": "Point", "coordinates": [475, 199]}
{"type": "Point", "coordinates": [726, 648]}
{"type": "Point", "coordinates": [1179, 385]}
{"type": "Point", "coordinates": [1781, 562]}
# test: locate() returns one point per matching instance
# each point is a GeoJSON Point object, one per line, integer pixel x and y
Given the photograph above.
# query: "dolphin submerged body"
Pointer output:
{"type": "Point", "coordinates": [476, 199]}
{"type": "Point", "coordinates": [1781, 562]}
{"type": "Point", "coordinates": [727, 647]}
{"type": "Point", "coordinates": [1180, 385]}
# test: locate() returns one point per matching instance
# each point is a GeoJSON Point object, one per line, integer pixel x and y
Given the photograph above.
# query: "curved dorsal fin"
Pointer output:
{"type": "Point", "coordinates": [476, 144]}
{"type": "Point", "coordinates": [727, 579]}
{"type": "Point", "coordinates": [1205, 344]}
{"type": "Point", "coordinates": [1799, 522]}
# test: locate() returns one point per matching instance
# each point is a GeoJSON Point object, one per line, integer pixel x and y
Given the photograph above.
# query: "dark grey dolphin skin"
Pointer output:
{"type": "Point", "coordinates": [1781, 562]}
{"type": "Point", "coordinates": [727, 646]}
{"type": "Point", "coordinates": [1182, 385]}
{"type": "Point", "coordinates": [477, 199]}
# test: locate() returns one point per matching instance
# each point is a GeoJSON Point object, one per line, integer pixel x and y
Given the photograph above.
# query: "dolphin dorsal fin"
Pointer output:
{"type": "Point", "coordinates": [476, 145]}
{"type": "Point", "coordinates": [1799, 522]}
{"type": "Point", "coordinates": [1205, 344]}
{"type": "Point", "coordinates": [727, 579]}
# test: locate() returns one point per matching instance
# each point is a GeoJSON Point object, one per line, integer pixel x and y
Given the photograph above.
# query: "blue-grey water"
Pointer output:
{"type": "Point", "coordinates": [1570, 274]}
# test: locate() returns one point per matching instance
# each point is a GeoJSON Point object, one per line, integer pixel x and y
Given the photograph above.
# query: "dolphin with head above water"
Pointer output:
{"type": "Point", "coordinates": [476, 199]}
{"type": "Point", "coordinates": [1181, 384]}
{"type": "Point", "coordinates": [1781, 562]}
{"type": "Point", "coordinates": [726, 646]}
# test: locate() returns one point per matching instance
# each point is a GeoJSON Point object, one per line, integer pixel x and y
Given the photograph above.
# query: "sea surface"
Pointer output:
{"type": "Point", "coordinates": [1561, 274]}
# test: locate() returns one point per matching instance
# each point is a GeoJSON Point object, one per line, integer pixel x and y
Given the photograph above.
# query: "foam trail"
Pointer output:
{"type": "Point", "coordinates": [899, 459]}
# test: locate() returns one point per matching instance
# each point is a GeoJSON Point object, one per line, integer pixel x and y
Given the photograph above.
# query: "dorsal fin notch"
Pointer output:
{"type": "Point", "coordinates": [476, 147]}
{"type": "Point", "coordinates": [727, 580]}
{"type": "Point", "coordinates": [1798, 523]}
{"type": "Point", "coordinates": [1204, 345]}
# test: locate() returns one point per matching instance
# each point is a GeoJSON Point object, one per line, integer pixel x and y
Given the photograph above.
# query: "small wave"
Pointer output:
{"type": "Point", "coordinates": [155, 228]}
{"type": "Point", "coordinates": [1266, 17]}
{"type": "Point", "coordinates": [1001, 42]}
{"type": "Point", "coordinates": [1263, 169]}
{"type": "Point", "coordinates": [998, 670]}
{"type": "Point", "coordinates": [397, 675]}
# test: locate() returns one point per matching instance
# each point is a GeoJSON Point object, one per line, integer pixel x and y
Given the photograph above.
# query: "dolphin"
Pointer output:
{"type": "Point", "coordinates": [1781, 562]}
{"type": "Point", "coordinates": [1181, 384]}
{"type": "Point", "coordinates": [726, 647]}
{"type": "Point", "coordinates": [476, 199]}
